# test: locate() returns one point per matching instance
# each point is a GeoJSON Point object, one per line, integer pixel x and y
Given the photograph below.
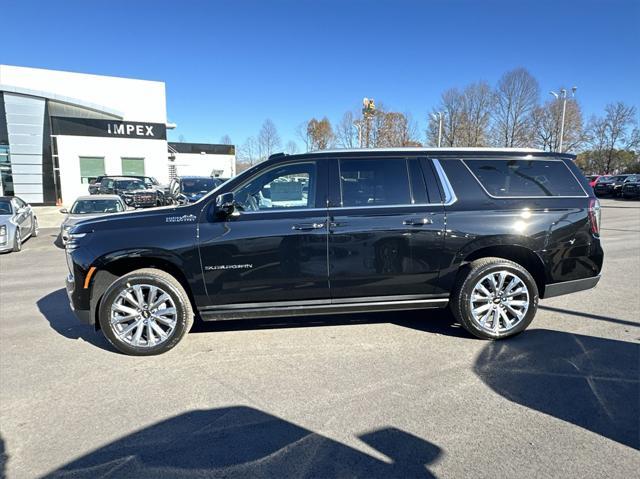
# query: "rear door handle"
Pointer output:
{"type": "Point", "coordinates": [308, 226]}
{"type": "Point", "coordinates": [417, 221]}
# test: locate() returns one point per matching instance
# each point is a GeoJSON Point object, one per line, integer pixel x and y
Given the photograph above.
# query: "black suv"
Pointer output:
{"type": "Point", "coordinates": [133, 191]}
{"type": "Point", "coordinates": [485, 232]}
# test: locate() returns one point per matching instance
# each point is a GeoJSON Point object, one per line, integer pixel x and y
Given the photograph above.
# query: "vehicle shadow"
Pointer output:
{"type": "Point", "coordinates": [243, 442]}
{"type": "Point", "coordinates": [55, 308]}
{"type": "Point", "coordinates": [591, 382]}
{"type": "Point", "coordinates": [4, 458]}
{"type": "Point", "coordinates": [590, 316]}
{"type": "Point", "coordinates": [430, 321]}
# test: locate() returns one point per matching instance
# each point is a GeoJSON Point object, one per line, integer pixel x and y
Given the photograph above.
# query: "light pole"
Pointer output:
{"type": "Point", "coordinates": [368, 110]}
{"type": "Point", "coordinates": [438, 117]}
{"type": "Point", "coordinates": [563, 95]}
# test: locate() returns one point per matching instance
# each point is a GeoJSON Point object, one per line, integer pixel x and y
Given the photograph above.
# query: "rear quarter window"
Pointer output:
{"type": "Point", "coordinates": [525, 178]}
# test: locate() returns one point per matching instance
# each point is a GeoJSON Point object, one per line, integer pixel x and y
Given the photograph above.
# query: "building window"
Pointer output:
{"type": "Point", "coordinates": [133, 166]}
{"type": "Point", "coordinates": [90, 168]}
{"type": "Point", "coordinates": [6, 180]}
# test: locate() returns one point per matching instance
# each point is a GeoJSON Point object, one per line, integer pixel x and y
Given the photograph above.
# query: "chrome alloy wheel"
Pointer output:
{"type": "Point", "coordinates": [499, 302]}
{"type": "Point", "coordinates": [143, 315]}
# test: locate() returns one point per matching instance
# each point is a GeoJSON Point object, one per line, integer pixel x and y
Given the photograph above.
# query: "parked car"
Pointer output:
{"type": "Point", "coordinates": [17, 223]}
{"type": "Point", "coordinates": [593, 179]}
{"type": "Point", "coordinates": [487, 232]}
{"type": "Point", "coordinates": [86, 207]}
{"type": "Point", "coordinates": [133, 191]}
{"type": "Point", "coordinates": [631, 187]}
{"type": "Point", "coordinates": [94, 185]}
{"type": "Point", "coordinates": [188, 189]}
{"type": "Point", "coordinates": [609, 185]}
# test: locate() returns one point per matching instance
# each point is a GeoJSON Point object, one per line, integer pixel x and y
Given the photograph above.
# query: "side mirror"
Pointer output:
{"type": "Point", "coordinates": [64, 211]}
{"type": "Point", "coordinates": [226, 204]}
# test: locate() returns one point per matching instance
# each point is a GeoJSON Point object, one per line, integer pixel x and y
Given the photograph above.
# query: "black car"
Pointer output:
{"type": "Point", "coordinates": [94, 185]}
{"type": "Point", "coordinates": [610, 186]}
{"type": "Point", "coordinates": [631, 187]}
{"type": "Point", "coordinates": [133, 191]}
{"type": "Point", "coordinates": [189, 189]}
{"type": "Point", "coordinates": [485, 232]}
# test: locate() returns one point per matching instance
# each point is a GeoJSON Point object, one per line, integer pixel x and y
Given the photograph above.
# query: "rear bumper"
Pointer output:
{"type": "Point", "coordinates": [568, 287]}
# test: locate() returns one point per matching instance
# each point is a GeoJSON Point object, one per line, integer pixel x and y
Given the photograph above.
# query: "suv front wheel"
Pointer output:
{"type": "Point", "coordinates": [145, 312]}
{"type": "Point", "coordinates": [495, 298]}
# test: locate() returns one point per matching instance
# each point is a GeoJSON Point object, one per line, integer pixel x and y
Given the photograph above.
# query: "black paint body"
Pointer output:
{"type": "Point", "coordinates": [271, 263]}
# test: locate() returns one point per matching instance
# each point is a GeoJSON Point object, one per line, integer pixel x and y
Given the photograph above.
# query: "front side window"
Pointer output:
{"type": "Point", "coordinates": [83, 207]}
{"type": "Point", "coordinates": [198, 185]}
{"type": "Point", "coordinates": [90, 169]}
{"type": "Point", "coordinates": [379, 182]}
{"type": "Point", "coordinates": [523, 178]}
{"type": "Point", "coordinates": [284, 187]}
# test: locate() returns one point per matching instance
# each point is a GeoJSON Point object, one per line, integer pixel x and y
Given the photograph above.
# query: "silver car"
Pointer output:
{"type": "Point", "coordinates": [86, 207]}
{"type": "Point", "coordinates": [17, 223]}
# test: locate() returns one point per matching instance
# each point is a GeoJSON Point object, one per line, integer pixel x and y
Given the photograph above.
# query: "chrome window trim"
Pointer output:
{"type": "Point", "coordinates": [525, 197]}
{"type": "Point", "coordinates": [449, 194]}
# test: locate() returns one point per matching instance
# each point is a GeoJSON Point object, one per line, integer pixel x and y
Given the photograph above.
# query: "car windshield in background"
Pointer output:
{"type": "Point", "coordinates": [200, 185]}
{"type": "Point", "coordinates": [130, 185]}
{"type": "Point", "coordinates": [85, 207]}
{"type": "Point", "coordinates": [606, 179]}
{"type": "Point", "coordinates": [5, 207]}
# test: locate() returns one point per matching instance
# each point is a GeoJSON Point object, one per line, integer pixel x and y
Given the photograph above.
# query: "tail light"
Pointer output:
{"type": "Point", "coordinates": [594, 216]}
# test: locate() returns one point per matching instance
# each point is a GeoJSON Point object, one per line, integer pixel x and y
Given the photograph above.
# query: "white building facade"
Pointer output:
{"type": "Point", "coordinates": [60, 130]}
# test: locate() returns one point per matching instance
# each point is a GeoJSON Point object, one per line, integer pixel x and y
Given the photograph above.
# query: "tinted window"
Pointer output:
{"type": "Point", "coordinates": [130, 185]}
{"type": "Point", "coordinates": [198, 185]}
{"type": "Point", "coordinates": [288, 186]}
{"type": "Point", "coordinates": [5, 207]}
{"type": "Point", "coordinates": [377, 182]}
{"type": "Point", "coordinates": [418, 186]}
{"type": "Point", "coordinates": [525, 177]}
{"type": "Point", "coordinates": [83, 207]}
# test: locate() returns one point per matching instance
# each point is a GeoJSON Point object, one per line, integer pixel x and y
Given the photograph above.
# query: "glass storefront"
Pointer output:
{"type": "Point", "coordinates": [6, 179]}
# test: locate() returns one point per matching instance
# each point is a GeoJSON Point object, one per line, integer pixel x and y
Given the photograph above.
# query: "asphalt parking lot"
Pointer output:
{"type": "Point", "coordinates": [374, 395]}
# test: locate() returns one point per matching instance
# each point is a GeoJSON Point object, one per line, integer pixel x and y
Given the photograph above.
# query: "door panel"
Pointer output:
{"type": "Point", "coordinates": [388, 249]}
{"type": "Point", "coordinates": [275, 250]}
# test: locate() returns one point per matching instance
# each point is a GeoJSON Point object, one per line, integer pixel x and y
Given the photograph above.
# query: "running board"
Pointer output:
{"type": "Point", "coordinates": [311, 308]}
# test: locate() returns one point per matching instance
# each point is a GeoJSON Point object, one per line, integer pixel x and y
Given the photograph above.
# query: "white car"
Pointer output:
{"type": "Point", "coordinates": [86, 207]}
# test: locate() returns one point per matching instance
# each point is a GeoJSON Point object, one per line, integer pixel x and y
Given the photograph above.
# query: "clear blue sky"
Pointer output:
{"type": "Point", "coordinates": [228, 65]}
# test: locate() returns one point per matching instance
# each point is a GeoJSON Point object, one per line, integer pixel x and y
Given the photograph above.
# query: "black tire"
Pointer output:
{"type": "Point", "coordinates": [34, 228]}
{"type": "Point", "coordinates": [17, 241]}
{"type": "Point", "coordinates": [468, 278]}
{"type": "Point", "coordinates": [153, 277]}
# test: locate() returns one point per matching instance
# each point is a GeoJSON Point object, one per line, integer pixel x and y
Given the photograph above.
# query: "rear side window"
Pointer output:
{"type": "Point", "coordinates": [378, 182]}
{"type": "Point", "coordinates": [521, 178]}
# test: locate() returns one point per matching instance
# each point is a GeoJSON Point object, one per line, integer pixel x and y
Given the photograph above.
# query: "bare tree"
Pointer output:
{"type": "Point", "coordinates": [609, 137]}
{"type": "Point", "coordinates": [515, 99]}
{"type": "Point", "coordinates": [393, 129]}
{"type": "Point", "coordinates": [249, 152]}
{"type": "Point", "coordinates": [291, 147]}
{"type": "Point", "coordinates": [302, 132]}
{"type": "Point", "coordinates": [547, 120]}
{"type": "Point", "coordinates": [477, 104]}
{"type": "Point", "coordinates": [268, 140]}
{"type": "Point", "coordinates": [346, 131]}
{"type": "Point", "coordinates": [225, 140]}
{"type": "Point", "coordinates": [320, 133]}
{"type": "Point", "coordinates": [452, 108]}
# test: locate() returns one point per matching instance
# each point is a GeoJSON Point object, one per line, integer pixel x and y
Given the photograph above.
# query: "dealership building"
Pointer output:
{"type": "Point", "coordinates": [60, 130]}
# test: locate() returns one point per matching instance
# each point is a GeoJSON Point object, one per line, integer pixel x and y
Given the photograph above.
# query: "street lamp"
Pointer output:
{"type": "Point", "coordinates": [563, 95]}
{"type": "Point", "coordinates": [438, 117]}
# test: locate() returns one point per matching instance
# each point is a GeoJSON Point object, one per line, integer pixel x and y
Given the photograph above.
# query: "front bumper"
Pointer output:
{"type": "Point", "coordinates": [568, 287]}
{"type": "Point", "coordinates": [84, 315]}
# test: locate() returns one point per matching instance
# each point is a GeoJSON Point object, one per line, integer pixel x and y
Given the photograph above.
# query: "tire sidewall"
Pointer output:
{"type": "Point", "coordinates": [17, 241]}
{"type": "Point", "coordinates": [471, 281]}
{"type": "Point", "coordinates": [178, 297]}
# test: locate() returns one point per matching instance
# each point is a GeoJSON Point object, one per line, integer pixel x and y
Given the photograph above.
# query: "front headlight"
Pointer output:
{"type": "Point", "coordinates": [3, 230]}
{"type": "Point", "coordinates": [67, 227]}
{"type": "Point", "coordinates": [72, 241]}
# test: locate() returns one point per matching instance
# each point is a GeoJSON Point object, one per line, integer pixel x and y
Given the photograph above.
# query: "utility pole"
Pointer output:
{"type": "Point", "coordinates": [368, 110]}
{"type": "Point", "coordinates": [563, 95]}
{"type": "Point", "coordinates": [438, 117]}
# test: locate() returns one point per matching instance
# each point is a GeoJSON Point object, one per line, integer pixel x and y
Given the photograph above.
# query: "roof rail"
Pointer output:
{"type": "Point", "coordinates": [277, 155]}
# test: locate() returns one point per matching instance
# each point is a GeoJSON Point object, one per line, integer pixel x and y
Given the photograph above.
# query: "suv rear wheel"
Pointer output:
{"type": "Point", "coordinates": [495, 298]}
{"type": "Point", "coordinates": [145, 312]}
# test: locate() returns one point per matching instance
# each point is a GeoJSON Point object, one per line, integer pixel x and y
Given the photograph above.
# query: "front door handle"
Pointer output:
{"type": "Point", "coordinates": [308, 226]}
{"type": "Point", "coordinates": [417, 221]}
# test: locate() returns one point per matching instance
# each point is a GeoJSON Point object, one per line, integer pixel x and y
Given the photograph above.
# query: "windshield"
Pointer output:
{"type": "Point", "coordinates": [5, 207]}
{"type": "Point", "coordinates": [130, 185]}
{"type": "Point", "coordinates": [84, 207]}
{"type": "Point", "coordinates": [199, 185]}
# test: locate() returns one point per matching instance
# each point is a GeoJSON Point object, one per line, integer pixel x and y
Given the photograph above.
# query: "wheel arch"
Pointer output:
{"type": "Point", "coordinates": [113, 266]}
{"type": "Point", "coordinates": [522, 255]}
